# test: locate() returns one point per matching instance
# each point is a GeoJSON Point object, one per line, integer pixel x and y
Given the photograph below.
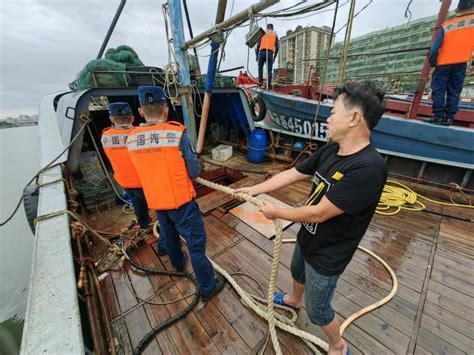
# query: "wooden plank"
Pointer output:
{"type": "Point", "coordinates": [365, 343]}
{"type": "Point", "coordinates": [458, 256]}
{"type": "Point", "coordinates": [108, 293]}
{"type": "Point", "coordinates": [450, 305]}
{"type": "Point", "coordinates": [170, 340]}
{"type": "Point", "coordinates": [440, 274]}
{"type": "Point", "coordinates": [398, 303]}
{"type": "Point", "coordinates": [459, 324]}
{"type": "Point", "coordinates": [455, 234]}
{"type": "Point", "coordinates": [436, 345]}
{"type": "Point", "coordinates": [249, 213]}
{"type": "Point", "coordinates": [419, 350]}
{"type": "Point", "coordinates": [383, 280]}
{"type": "Point", "coordinates": [446, 333]}
{"type": "Point", "coordinates": [149, 259]}
{"type": "Point", "coordinates": [454, 267]}
{"type": "Point", "coordinates": [137, 322]}
{"type": "Point", "coordinates": [219, 236]}
{"type": "Point", "coordinates": [392, 236]}
{"type": "Point", "coordinates": [215, 199]}
{"type": "Point", "coordinates": [120, 331]}
{"type": "Point", "coordinates": [395, 263]}
{"type": "Point", "coordinates": [373, 325]}
{"type": "Point", "coordinates": [406, 278]}
{"type": "Point", "coordinates": [391, 316]}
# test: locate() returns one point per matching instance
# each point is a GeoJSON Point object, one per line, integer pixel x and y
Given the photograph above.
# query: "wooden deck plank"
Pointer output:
{"type": "Point", "coordinates": [436, 345]}
{"type": "Point", "coordinates": [446, 333]}
{"type": "Point", "coordinates": [362, 299]}
{"type": "Point", "coordinates": [137, 321]}
{"type": "Point", "coordinates": [224, 325]}
{"type": "Point", "coordinates": [419, 350]}
{"type": "Point", "coordinates": [219, 235]}
{"type": "Point", "coordinates": [373, 325]}
{"type": "Point", "coordinates": [215, 199]}
{"type": "Point", "coordinates": [119, 328]}
{"type": "Point", "coordinates": [149, 259]}
{"type": "Point", "coordinates": [443, 276]}
{"type": "Point", "coordinates": [461, 325]}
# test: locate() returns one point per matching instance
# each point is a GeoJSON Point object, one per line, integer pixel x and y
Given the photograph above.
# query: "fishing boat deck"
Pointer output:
{"type": "Point", "coordinates": [432, 312]}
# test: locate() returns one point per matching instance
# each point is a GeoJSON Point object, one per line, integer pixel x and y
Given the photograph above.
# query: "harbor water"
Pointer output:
{"type": "Point", "coordinates": [18, 163]}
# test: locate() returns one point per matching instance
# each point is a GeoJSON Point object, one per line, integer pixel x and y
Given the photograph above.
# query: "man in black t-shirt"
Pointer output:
{"type": "Point", "coordinates": [347, 177]}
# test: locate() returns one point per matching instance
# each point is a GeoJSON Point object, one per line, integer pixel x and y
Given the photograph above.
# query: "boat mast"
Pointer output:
{"type": "Point", "coordinates": [111, 29]}
{"type": "Point", "coordinates": [177, 30]}
{"type": "Point", "coordinates": [211, 74]}
{"type": "Point", "coordinates": [345, 48]}
{"type": "Point", "coordinates": [443, 12]}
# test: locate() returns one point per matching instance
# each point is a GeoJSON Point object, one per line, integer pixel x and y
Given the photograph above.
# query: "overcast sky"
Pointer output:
{"type": "Point", "coordinates": [45, 43]}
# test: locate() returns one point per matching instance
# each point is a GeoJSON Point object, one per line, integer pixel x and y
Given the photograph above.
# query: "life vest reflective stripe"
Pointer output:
{"type": "Point", "coordinates": [155, 153]}
{"type": "Point", "coordinates": [458, 42]}
{"type": "Point", "coordinates": [268, 41]}
{"type": "Point", "coordinates": [114, 142]}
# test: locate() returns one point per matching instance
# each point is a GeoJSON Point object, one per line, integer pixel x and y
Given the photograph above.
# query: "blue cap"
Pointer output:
{"type": "Point", "coordinates": [151, 95]}
{"type": "Point", "coordinates": [465, 4]}
{"type": "Point", "coordinates": [120, 109]}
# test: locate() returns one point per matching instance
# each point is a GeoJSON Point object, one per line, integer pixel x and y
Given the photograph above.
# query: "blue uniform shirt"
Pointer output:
{"type": "Point", "coordinates": [436, 46]}
{"type": "Point", "coordinates": [190, 156]}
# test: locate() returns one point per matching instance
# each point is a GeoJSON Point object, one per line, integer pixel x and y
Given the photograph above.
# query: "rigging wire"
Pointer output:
{"type": "Point", "coordinates": [408, 13]}
{"type": "Point", "coordinates": [357, 13]}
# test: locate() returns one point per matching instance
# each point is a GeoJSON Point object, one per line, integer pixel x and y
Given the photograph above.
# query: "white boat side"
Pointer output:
{"type": "Point", "coordinates": [52, 321]}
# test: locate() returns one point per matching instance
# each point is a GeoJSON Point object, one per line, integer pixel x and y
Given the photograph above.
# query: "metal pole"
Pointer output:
{"type": "Point", "coordinates": [177, 29]}
{"type": "Point", "coordinates": [211, 74]}
{"type": "Point", "coordinates": [241, 16]}
{"type": "Point", "coordinates": [345, 48]}
{"type": "Point", "coordinates": [111, 29]}
{"type": "Point", "coordinates": [190, 28]}
{"type": "Point", "coordinates": [425, 72]}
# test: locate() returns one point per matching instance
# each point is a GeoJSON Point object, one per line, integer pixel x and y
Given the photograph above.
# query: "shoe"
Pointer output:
{"type": "Point", "coordinates": [278, 299]}
{"type": "Point", "coordinates": [449, 121]}
{"type": "Point", "coordinates": [220, 282]}
{"type": "Point", "coordinates": [435, 120]}
{"type": "Point", "coordinates": [161, 251]}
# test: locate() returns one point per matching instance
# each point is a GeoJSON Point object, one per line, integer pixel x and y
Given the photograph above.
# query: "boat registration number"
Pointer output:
{"type": "Point", "coordinates": [300, 126]}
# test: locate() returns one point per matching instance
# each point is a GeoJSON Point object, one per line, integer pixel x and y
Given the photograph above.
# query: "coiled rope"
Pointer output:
{"type": "Point", "coordinates": [397, 196]}
{"type": "Point", "coordinates": [275, 319]}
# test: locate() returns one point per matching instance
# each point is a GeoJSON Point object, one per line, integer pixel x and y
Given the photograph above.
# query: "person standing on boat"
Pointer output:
{"type": "Point", "coordinates": [348, 176]}
{"type": "Point", "coordinates": [166, 162]}
{"type": "Point", "coordinates": [114, 142]}
{"type": "Point", "coordinates": [266, 52]}
{"type": "Point", "coordinates": [451, 51]}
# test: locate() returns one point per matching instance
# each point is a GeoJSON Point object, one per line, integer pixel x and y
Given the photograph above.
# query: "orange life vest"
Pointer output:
{"type": "Point", "coordinates": [155, 153]}
{"type": "Point", "coordinates": [268, 41]}
{"type": "Point", "coordinates": [458, 42]}
{"type": "Point", "coordinates": [114, 142]}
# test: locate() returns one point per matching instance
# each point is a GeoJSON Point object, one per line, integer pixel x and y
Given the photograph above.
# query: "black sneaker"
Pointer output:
{"type": "Point", "coordinates": [435, 120]}
{"type": "Point", "coordinates": [448, 122]}
{"type": "Point", "coordinates": [220, 282]}
{"type": "Point", "coordinates": [161, 252]}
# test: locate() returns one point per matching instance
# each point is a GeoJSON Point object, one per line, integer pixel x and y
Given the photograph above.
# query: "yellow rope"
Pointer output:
{"type": "Point", "coordinates": [397, 196]}
{"type": "Point", "coordinates": [276, 319]}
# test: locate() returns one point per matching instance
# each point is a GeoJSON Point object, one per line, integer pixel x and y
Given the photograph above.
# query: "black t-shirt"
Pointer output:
{"type": "Point", "coordinates": [354, 184]}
